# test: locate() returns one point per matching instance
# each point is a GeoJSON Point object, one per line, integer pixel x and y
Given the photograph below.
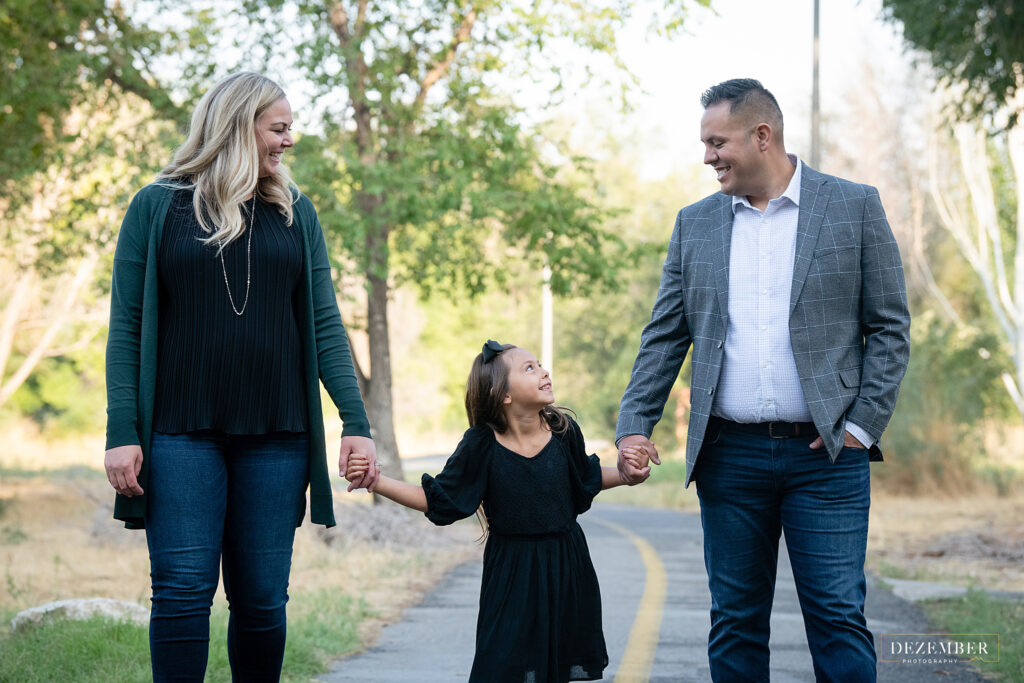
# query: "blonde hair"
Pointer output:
{"type": "Point", "coordinates": [220, 161]}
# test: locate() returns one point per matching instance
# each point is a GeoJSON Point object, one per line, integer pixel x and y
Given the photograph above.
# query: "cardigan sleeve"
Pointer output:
{"type": "Point", "coordinates": [334, 357]}
{"type": "Point", "coordinates": [124, 332]}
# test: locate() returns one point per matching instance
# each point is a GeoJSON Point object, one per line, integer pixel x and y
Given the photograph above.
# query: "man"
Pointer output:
{"type": "Point", "coordinates": [789, 286]}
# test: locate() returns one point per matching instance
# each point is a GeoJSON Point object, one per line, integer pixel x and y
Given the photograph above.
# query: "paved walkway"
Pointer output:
{"type": "Point", "coordinates": [434, 641]}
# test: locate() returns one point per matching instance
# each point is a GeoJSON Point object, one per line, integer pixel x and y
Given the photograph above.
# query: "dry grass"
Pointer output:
{"type": "Point", "coordinates": [23, 447]}
{"type": "Point", "coordinates": [50, 551]}
{"type": "Point", "coordinates": [58, 540]}
{"type": "Point", "coordinates": [975, 539]}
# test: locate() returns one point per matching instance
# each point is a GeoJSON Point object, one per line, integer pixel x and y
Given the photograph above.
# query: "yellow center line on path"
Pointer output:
{"type": "Point", "coordinates": [643, 637]}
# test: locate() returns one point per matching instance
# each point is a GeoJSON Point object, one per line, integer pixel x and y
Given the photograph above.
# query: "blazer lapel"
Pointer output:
{"type": "Point", "coordinates": [722, 239]}
{"type": "Point", "coordinates": [814, 194]}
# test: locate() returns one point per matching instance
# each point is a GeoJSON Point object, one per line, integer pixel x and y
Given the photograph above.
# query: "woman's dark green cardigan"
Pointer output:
{"type": "Point", "coordinates": [132, 347]}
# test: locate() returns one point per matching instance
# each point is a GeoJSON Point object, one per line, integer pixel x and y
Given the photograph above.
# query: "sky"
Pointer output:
{"type": "Point", "coordinates": [771, 41]}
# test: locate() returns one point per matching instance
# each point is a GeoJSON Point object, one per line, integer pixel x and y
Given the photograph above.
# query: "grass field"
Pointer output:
{"type": "Point", "coordinates": [978, 613]}
{"type": "Point", "coordinates": [323, 624]}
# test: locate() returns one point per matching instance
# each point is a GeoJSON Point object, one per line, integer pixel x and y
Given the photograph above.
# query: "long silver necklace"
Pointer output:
{"type": "Point", "coordinates": [248, 263]}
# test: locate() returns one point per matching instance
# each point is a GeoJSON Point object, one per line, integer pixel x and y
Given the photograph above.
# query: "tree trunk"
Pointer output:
{"type": "Point", "coordinates": [379, 405]}
{"type": "Point", "coordinates": [1015, 144]}
{"type": "Point", "coordinates": [350, 32]}
{"type": "Point", "coordinates": [13, 311]}
{"type": "Point", "coordinates": [57, 318]}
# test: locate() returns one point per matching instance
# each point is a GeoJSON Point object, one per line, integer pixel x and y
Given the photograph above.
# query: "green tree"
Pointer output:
{"type": "Point", "coordinates": [49, 51]}
{"type": "Point", "coordinates": [596, 337]}
{"type": "Point", "coordinates": [423, 173]}
{"type": "Point", "coordinates": [946, 404]}
{"type": "Point", "coordinates": [976, 42]}
{"type": "Point", "coordinates": [955, 389]}
{"type": "Point", "coordinates": [597, 344]}
{"type": "Point", "coordinates": [59, 228]}
{"type": "Point", "coordinates": [976, 165]}
{"type": "Point", "coordinates": [76, 86]}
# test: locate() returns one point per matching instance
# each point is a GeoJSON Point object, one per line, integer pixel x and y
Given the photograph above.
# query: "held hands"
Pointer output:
{"type": "Point", "coordinates": [635, 453]}
{"type": "Point", "coordinates": [123, 465]}
{"type": "Point", "coordinates": [359, 447]}
{"type": "Point", "coordinates": [633, 467]}
{"type": "Point", "coordinates": [358, 466]}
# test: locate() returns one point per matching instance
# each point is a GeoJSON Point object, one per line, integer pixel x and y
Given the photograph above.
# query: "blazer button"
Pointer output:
{"type": "Point", "coordinates": [719, 345]}
{"type": "Point", "coordinates": [711, 391]}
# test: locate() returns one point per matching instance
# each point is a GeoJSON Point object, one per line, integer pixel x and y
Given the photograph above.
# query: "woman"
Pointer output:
{"type": "Point", "coordinates": [223, 319]}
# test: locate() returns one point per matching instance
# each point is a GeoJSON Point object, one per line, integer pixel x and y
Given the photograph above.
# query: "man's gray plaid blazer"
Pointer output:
{"type": "Point", "coordinates": [849, 323]}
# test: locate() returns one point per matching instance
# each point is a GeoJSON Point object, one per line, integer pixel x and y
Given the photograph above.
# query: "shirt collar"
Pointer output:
{"type": "Point", "coordinates": [792, 192]}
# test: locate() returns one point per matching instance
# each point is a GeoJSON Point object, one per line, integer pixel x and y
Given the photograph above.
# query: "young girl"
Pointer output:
{"type": "Point", "coordinates": [540, 605]}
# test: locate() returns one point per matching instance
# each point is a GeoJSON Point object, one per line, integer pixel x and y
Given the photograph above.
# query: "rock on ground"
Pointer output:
{"type": "Point", "coordinates": [80, 610]}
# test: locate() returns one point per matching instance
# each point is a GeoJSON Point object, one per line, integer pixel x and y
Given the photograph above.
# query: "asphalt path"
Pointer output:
{"type": "Point", "coordinates": [655, 609]}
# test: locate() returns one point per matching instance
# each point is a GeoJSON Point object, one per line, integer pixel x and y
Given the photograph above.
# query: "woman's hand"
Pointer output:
{"type": "Point", "coordinates": [359, 446]}
{"type": "Point", "coordinates": [123, 465]}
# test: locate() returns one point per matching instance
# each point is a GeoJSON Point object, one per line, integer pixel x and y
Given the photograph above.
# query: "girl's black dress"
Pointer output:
{"type": "Point", "coordinates": [540, 605]}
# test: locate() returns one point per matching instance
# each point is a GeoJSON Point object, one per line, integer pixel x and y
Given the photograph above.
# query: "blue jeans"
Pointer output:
{"type": "Point", "coordinates": [753, 487]}
{"type": "Point", "coordinates": [216, 499]}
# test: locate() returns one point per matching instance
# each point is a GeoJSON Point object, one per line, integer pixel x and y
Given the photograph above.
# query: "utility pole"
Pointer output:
{"type": "Point", "coordinates": [547, 335]}
{"type": "Point", "coordinates": [815, 106]}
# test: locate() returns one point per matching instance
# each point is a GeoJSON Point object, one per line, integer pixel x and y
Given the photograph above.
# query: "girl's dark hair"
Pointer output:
{"type": "Point", "coordinates": [485, 393]}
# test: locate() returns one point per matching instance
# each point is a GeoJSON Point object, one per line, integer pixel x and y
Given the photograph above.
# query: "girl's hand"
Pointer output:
{"type": "Point", "coordinates": [633, 442]}
{"type": "Point", "coordinates": [360, 446]}
{"type": "Point", "coordinates": [358, 465]}
{"type": "Point", "coordinates": [636, 456]}
{"type": "Point", "coordinates": [634, 465]}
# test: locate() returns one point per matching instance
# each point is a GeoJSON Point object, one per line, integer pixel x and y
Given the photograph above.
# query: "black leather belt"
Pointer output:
{"type": "Point", "coordinates": [773, 430]}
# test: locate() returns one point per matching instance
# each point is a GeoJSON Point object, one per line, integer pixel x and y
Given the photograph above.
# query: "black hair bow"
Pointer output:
{"type": "Point", "coordinates": [491, 349]}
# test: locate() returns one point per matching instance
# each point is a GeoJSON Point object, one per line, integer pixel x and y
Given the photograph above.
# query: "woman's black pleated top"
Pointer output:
{"type": "Point", "coordinates": [236, 374]}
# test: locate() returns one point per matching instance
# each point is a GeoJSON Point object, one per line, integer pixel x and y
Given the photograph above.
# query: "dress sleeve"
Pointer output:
{"type": "Point", "coordinates": [584, 470]}
{"type": "Point", "coordinates": [456, 492]}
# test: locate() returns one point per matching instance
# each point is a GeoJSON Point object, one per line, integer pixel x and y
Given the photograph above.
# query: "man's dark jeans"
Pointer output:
{"type": "Point", "coordinates": [751, 488]}
{"type": "Point", "coordinates": [219, 499]}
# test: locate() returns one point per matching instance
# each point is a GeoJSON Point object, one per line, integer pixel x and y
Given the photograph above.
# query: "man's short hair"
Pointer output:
{"type": "Point", "coordinates": [746, 97]}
